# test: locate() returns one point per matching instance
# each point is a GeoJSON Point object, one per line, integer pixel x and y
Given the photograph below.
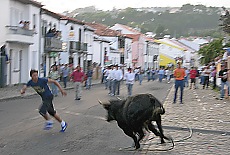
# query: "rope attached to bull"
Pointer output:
{"type": "Point", "coordinates": [149, 145]}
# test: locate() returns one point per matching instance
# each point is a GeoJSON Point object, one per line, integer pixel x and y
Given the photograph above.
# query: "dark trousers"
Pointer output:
{"type": "Point", "coordinates": [179, 83]}
{"type": "Point", "coordinates": [206, 81]}
{"type": "Point", "coordinates": [214, 83]}
{"type": "Point", "coordinates": [118, 83]}
{"type": "Point", "coordinates": [65, 81]}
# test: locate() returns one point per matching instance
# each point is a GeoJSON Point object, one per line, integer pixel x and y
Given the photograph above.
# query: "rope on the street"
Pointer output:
{"type": "Point", "coordinates": [172, 141]}
{"type": "Point", "coordinates": [156, 149]}
{"type": "Point", "coordinates": [132, 148]}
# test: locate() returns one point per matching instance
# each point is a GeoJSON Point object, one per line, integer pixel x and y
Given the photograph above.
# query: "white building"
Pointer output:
{"type": "Point", "coordinates": [89, 39]}
{"type": "Point", "coordinates": [51, 40]}
{"type": "Point", "coordinates": [22, 41]}
{"type": "Point", "coordinates": [128, 52]}
{"type": "Point", "coordinates": [169, 51]}
{"type": "Point", "coordinates": [152, 54]}
{"type": "Point", "coordinates": [102, 51]}
{"type": "Point", "coordinates": [140, 53]}
{"type": "Point", "coordinates": [73, 37]}
{"type": "Point", "coordinates": [194, 48]}
{"type": "Point", "coordinates": [106, 45]}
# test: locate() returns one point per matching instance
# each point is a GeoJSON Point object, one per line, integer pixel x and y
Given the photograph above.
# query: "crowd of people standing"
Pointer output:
{"type": "Point", "coordinates": [115, 75]}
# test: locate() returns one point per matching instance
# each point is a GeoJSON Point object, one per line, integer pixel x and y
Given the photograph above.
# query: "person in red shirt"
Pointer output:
{"type": "Point", "coordinates": [193, 73]}
{"type": "Point", "coordinates": [78, 77]}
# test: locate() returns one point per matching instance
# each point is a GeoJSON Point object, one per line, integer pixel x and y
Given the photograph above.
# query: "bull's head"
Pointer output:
{"type": "Point", "coordinates": [107, 106]}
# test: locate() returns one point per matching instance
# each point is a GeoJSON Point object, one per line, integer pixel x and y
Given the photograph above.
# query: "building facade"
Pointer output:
{"type": "Point", "coordinates": [20, 33]}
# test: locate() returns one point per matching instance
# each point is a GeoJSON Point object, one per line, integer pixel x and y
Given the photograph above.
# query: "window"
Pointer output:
{"type": "Point", "coordinates": [15, 59]}
{"type": "Point", "coordinates": [44, 27]}
{"type": "Point", "coordinates": [34, 22]}
{"type": "Point", "coordinates": [34, 62]}
{"type": "Point", "coordinates": [86, 38]}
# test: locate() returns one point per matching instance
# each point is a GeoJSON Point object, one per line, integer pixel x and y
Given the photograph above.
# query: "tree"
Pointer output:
{"type": "Point", "coordinates": [211, 51]}
{"type": "Point", "coordinates": [225, 19]}
{"type": "Point", "coordinates": [160, 31]}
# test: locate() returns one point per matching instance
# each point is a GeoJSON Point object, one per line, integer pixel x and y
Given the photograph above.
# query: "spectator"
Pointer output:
{"type": "Point", "coordinates": [186, 77]}
{"type": "Point", "coordinates": [54, 75]}
{"type": "Point", "coordinates": [214, 78]}
{"type": "Point", "coordinates": [21, 24]}
{"type": "Point", "coordinates": [89, 75]}
{"type": "Point", "coordinates": [110, 77]}
{"type": "Point", "coordinates": [148, 71]}
{"type": "Point", "coordinates": [130, 78]}
{"type": "Point", "coordinates": [207, 72]}
{"type": "Point", "coordinates": [78, 78]}
{"type": "Point", "coordinates": [106, 73]}
{"type": "Point", "coordinates": [141, 74]}
{"type": "Point", "coordinates": [137, 71]}
{"type": "Point", "coordinates": [193, 73]}
{"type": "Point", "coordinates": [168, 74]}
{"type": "Point", "coordinates": [161, 74]}
{"type": "Point", "coordinates": [153, 74]}
{"type": "Point", "coordinates": [65, 74]}
{"type": "Point", "coordinates": [223, 74]}
{"type": "Point", "coordinates": [179, 75]}
{"type": "Point", "coordinates": [118, 77]}
{"type": "Point", "coordinates": [197, 77]}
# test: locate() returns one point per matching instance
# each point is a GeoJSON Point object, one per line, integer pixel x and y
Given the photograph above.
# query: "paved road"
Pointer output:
{"type": "Point", "coordinates": [208, 119]}
{"type": "Point", "coordinates": [88, 133]}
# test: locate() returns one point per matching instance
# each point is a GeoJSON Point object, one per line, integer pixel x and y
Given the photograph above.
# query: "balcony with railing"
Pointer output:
{"type": "Point", "coordinates": [19, 35]}
{"type": "Point", "coordinates": [76, 46]}
{"type": "Point", "coordinates": [53, 44]}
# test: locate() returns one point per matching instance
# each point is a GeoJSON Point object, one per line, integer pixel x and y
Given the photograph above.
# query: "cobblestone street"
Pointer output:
{"type": "Point", "coordinates": [208, 118]}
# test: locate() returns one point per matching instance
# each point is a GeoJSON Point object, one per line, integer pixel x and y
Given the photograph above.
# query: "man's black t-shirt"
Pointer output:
{"type": "Point", "coordinates": [224, 74]}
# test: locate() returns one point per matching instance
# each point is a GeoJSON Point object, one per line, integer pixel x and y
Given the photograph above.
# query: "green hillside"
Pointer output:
{"type": "Point", "coordinates": [189, 20]}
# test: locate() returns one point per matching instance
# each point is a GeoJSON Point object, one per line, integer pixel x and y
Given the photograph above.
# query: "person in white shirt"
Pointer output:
{"type": "Point", "coordinates": [118, 77]}
{"type": "Point", "coordinates": [168, 74]}
{"type": "Point", "coordinates": [21, 24]}
{"type": "Point", "coordinates": [111, 79]}
{"type": "Point", "coordinates": [130, 78]}
{"type": "Point", "coordinates": [106, 73]}
{"type": "Point", "coordinates": [136, 71]}
{"type": "Point", "coordinates": [207, 72]}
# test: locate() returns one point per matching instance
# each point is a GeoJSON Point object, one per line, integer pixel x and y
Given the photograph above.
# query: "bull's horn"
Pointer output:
{"type": "Point", "coordinates": [100, 101]}
{"type": "Point", "coordinates": [119, 98]}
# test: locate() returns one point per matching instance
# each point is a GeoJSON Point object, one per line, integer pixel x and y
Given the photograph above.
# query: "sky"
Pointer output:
{"type": "Point", "coordinates": [60, 6]}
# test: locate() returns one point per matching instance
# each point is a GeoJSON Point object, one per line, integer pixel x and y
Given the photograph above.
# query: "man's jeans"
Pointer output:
{"type": "Point", "coordinates": [222, 88]}
{"type": "Point", "coordinates": [89, 83]}
{"type": "Point", "coordinates": [54, 89]}
{"type": "Point", "coordinates": [186, 81]}
{"type": "Point", "coordinates": [179, 83]}
{"type": "Point", "coordinates": [161, 76]}
{"type": "Point", "coordinates": [65, 81]}
{"type": "Point", "coordinates": [78, 89]}
{"type": "Point", "coordinates": [140, 78]}
{"type": "Point", "coordinates": [130, 87]}
{"type": "Point", "coordinates": [118, 83]}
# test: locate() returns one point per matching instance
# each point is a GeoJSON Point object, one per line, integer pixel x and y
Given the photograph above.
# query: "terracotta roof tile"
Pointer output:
{"type": "Point", "coordinates": [135, 37]}
{"type": "Point", "coordinates": [103, 30]}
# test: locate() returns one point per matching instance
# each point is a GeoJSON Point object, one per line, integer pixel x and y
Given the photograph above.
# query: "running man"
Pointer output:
{"type": "Point", "coordinates": [41, 87]}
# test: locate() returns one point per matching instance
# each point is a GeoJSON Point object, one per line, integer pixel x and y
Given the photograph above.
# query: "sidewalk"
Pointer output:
{"type": "Point", "coordinates": [13, 92]}
{"type": "Point", "coordinates": [207, 117]}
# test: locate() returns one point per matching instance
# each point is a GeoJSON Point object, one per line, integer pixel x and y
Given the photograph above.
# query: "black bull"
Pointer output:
{"type": "Point", "coordinates": [135, 114]}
